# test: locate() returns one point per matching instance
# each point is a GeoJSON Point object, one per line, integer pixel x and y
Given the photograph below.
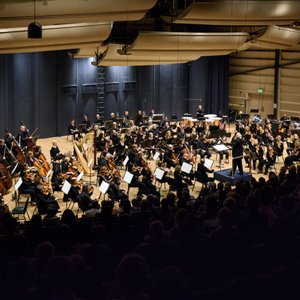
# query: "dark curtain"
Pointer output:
{"type": "Point", "coordinates": [217, 85]}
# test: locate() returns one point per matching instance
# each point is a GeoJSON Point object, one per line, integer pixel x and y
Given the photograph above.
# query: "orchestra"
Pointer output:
{"type": "Point", "coordinates": [188, 141]}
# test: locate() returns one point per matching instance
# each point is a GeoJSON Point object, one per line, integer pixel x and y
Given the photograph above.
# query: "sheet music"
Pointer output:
{"type": "Point", "coordinates": [18, 183]}
{"type": "Point", "coordinates": [66, 187]}
{"type": "Point", "coordinates": [159, 173]}
{"type": "Point", "coordinates": [187, 168]}
{"type": "Point", "coordinates": [208, 163]}
{"type": "Point", "coordinates": [156, 155]}
{"type": "Point", "coordinates": [103, 187]}
{"type": "Point", "coordinates": [220, 147]}
{"type": "Point", "coordinates": [125, 160]}
{"type": "Point", "coordinates": [128, 177]}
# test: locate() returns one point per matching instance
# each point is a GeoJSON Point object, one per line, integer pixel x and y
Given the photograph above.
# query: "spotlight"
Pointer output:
{"type": "Point", "coordinates": [34, 30]}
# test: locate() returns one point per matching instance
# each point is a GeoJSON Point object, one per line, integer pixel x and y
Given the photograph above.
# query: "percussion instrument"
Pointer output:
{"type": "Point", "coordinates": [210, 116]}
{"type": "Point", "coordinates": [216, 121]}
{"type": "Point", "coordinates": [192, 122]}
{"type": "Point", "coordinates": [186, 120]}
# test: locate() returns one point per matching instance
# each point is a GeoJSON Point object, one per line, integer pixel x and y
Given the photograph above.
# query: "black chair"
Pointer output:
{"type": "Point", "coordinates": [21, 211]}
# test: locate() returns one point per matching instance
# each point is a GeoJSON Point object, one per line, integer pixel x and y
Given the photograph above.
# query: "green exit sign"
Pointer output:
{"type": "Point", "coordinates": [260, 91]}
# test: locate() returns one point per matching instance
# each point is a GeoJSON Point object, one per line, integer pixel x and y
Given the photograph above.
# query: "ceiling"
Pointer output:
{"type": "Point", "coordinates": [149, 32]}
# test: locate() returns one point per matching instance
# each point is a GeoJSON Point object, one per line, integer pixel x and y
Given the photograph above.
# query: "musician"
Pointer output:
{"type": "Point", "coordinates": [200, 112]}
{"type": "Point", "coordinates": [126, 119]}
{"type": "Point", "coordinates": [295, 154]}
{"type": "Point", "coordinates": [139, 119]}
{"type": "Point", "coordinates": [128, 138]}
{"type": "Point", "coordinates": [149, 144]}
{"type": "Point", "coordinates": [170, 157]}
{"type": "Point", "coordinates": [237, 153]}
{"type": "Point", "coordinates": [2, 149]}
{"type": "Point", "coordinates": [74, 190]}
{"type": "Point", "coordinates": [271, 159]}
{"type": "Point", "coordinates": [87, 123]}
{"type": "Point", "coordinates": [202, 144]}
{"type": "Point", "coordinates": [55, 152]}
{"type": "Point", "coordinates": [46, 202]}
{"type": "Point", "coordinates": [28, 186]}
{"type": "Point", "coordinates": [84, 201]}
{"type": "Point", "coordinates": [201, 173]}
{"type": "Point", "coordinates": [260, 157]}
{"type": "Point", "coordinates": [120, 149]}
{"type": "Point", "coordinates": [30, 159]}
{"type": "Point", "coordinates": [103, 159]}
{"type": "Point", "coordinates": [72, 129]}
{"type": "Point", "coordinates": [98, 120]}
{"type": "Point", "coordinates": [23, 136]}
{"type": "Point", "coordinates": [180, 131]}
{"type": "Point", "coordinates": [278, 146]}
{"type": "Point", "coordinates": [154, 130]}
{"type": "Point", "coordinates": [113, 117]}
{"type": "Point", "coordinates": [9, 139]}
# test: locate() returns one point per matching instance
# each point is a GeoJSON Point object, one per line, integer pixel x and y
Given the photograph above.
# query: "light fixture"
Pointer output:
{"type": "Point", "coordinates": [34, 29]}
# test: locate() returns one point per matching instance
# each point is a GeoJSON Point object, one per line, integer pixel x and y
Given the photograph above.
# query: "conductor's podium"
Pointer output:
{"type": "Point", "coordinates": [224, 175]}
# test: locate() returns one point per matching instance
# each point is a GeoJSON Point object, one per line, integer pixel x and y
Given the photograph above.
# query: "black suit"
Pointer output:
{"type": "Point", "coordinates": [237, 154]}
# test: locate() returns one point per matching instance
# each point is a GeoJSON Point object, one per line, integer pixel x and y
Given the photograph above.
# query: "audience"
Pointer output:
{"type": "Point", "coordinates": [228, 240]}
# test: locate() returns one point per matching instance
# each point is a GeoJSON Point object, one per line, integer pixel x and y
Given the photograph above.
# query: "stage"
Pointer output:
{"type": "Point", "coordinates": [224, 175]}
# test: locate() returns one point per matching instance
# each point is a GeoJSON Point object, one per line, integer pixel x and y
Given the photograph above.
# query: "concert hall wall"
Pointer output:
{"type": "Point", "coordinates": [46, 90]}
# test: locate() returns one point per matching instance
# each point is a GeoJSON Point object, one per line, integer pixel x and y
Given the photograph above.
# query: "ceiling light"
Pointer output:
{"type": "Point", "coordinates": [34, 29]}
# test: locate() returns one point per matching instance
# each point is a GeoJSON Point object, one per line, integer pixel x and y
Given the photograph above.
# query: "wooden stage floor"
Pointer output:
{"type": "Point", "coordinates": [66, 145]}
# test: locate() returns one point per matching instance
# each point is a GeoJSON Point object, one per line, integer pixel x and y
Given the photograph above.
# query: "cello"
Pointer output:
{"type": "Point", "coordinates": [5, 179]}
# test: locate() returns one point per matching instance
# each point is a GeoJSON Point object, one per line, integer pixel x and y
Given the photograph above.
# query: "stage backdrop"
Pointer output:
{"type": "Point", "coordinates": [46, 90]}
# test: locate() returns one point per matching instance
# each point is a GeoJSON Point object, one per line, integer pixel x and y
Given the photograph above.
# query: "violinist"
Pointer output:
{"type": "Point", "coordinates": [46, 202]}
{"type": "Point", "coordinates": [295, 154]}
{"type": "Point", "coordinates": [128, 138]}
{"type": "Point", "coordinates": [102, 160]}
{"type": "Point", "coordinates": [278, 146]}
{"type": "Point", "coordinates": [271, 159]}
{"type": "Point", "coordinates": [201, 173]}
{"type": "Point", "coordinates": [260, 157]}
{"type": "Point", "coordinates": [121, 150]}
{"type": "Point", "coordinates": [149, 145]}
{"type": "Point", "coordinates": [170, 158]}
{"type": "Point", "coordinates": [74, 190]}
{"type": "Point", "coordinates": [85, 202]}
{"type": "Point", "coordinates": [114, 137]}
{"type": "Point", "coordinates": [28, 186]}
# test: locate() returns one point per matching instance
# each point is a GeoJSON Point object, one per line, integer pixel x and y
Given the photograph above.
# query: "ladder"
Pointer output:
{"type": "Point", "coordinates": [101, 91]}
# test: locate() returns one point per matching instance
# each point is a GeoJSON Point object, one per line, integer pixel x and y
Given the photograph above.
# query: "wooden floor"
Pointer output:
{"type": "Point", "coordinates": [66, 145]}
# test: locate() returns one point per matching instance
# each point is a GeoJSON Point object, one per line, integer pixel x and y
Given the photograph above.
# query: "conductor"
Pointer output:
{"type": "Point", "coordinates": [237, 154]}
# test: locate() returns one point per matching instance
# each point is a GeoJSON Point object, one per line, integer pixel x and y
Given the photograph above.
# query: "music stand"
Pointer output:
{"type": "Point", "coordinates": [219, 148]}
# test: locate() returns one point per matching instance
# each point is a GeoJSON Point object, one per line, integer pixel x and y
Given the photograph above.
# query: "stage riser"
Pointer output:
{"type": "Point", "coordinates": [223, 175]}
